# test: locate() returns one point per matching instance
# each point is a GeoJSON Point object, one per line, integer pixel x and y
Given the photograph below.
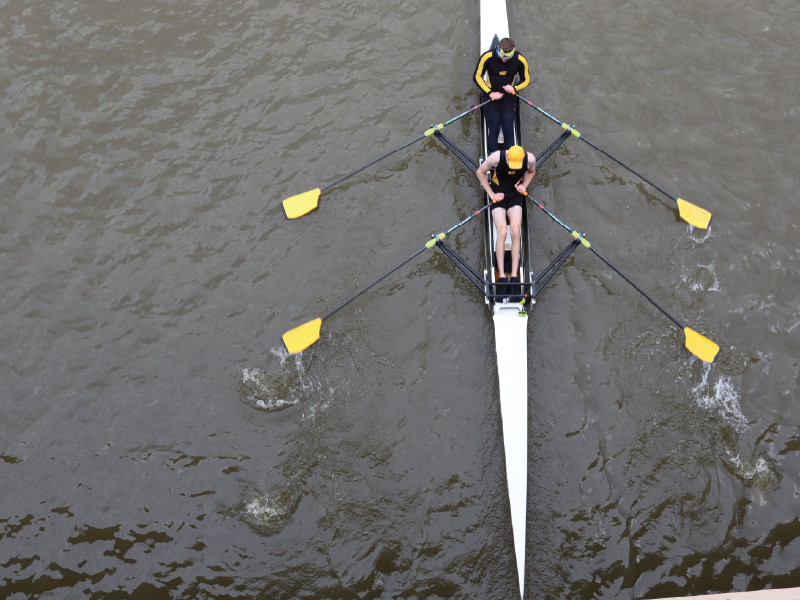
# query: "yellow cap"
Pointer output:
{"type": "Point", "coordinates": [515, 156]}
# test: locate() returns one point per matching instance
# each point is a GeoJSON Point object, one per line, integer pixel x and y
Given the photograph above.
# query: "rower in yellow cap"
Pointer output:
{"type": "Point", "coordinates": [513, 172]}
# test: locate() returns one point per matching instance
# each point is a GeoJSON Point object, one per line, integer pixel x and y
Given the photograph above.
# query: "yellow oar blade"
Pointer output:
{"type": "Point", "coordinates": [702, 347]}
{"type": "Point", "coordinates": [300, 338]}
{"type": "Point", "coordinates": [693, 214]}
{"type": "Point", "coordinates": [299, 205]}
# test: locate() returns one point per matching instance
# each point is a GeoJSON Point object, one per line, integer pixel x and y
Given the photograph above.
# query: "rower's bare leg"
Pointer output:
{"type": "Point", "coordinates": [499, 217]}
{"type": "Point", "coordinates": [515, 222]}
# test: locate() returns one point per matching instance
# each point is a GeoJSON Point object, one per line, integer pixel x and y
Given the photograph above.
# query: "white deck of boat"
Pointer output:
{"type": "Point", "coordinates": [511, 341]}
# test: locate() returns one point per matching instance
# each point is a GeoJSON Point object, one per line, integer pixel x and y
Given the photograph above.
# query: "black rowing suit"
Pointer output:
{"type": "Point", "coordinates": [499, 74]}
{"type": "Point", "coordinates": [504, 180]}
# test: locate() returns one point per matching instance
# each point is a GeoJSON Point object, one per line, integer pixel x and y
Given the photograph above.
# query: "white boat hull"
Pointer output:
{"type": "Point", "coordinates": [511, 335]}
{"type": "Point", "coordinates": [511, 341]}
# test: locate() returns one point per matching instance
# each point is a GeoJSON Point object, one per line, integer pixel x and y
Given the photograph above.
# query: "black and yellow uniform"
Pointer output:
{"type": "Point", "coordinates": [504, 180]}
{"type": "Point", "coordinates": [498, 74]}
{"type": "Point", "coordinates": [500, 114]}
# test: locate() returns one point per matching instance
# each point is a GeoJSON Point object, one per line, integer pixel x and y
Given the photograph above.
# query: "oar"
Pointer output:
{"type": "Point", "coordinates": [300, 338]}
{"type": "Point", "coordinates": [301, 204]}
{"type": "Point", "coordinates": [691, 213]}
{"type": "Point", "coordinates": [702, 347]}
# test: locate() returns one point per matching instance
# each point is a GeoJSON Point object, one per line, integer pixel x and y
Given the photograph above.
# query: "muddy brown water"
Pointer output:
{"type": "Point", "coordinates": [157, 442]}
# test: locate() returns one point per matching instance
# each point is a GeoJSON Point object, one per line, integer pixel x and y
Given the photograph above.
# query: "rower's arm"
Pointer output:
{"type": "Point", "coordinates": [525, 76]}
{"type": "Point", "coordinates": [529, 174]}
{"type": "Point", "coordinates": [490, 163]}
{"type": "Point", "coordinates": [478, 76]}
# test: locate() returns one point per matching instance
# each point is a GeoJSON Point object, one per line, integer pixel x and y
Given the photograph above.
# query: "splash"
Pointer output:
{"type": "Point", "coordinates": [758, 474]}
{"type": "Point", "coordinates": [265, 392]}
{"type": "Point", "coordinates": [697, 235]}
{"type": "Point", "coordinates": [285, 383]}
{"type": "Point", "coordinates": [308, 383]}
{"type": "Point", "coordinates": [720, 394]}
{"type": "Point", "coordinates": [263, 509]}
{"type": "Point", "coordinates": [268, 513]}
{"type": "Point", "coordinates": [707, 279]}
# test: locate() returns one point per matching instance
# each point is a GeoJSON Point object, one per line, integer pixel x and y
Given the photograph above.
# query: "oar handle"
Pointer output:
{"type": "Point", "coordinates": [469, 218]}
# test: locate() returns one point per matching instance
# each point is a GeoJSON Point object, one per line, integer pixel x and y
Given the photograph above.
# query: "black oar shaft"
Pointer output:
{"type": "Point", "coordinates": [466, 112]}
{"type": "Point", "coordinates": [614, 158]}
{"type": "Point", "coordinates": [621, 274]}
{"type": "Point", "coordinates": [472, 216]}
{"type": "Point", "coordinates": [639, 175]}
{"type": "Point", "coordinates": [440, 236]}
{"type": "Point", "coordinates": [601, 257]}
{"type": "Point", "coordinates": [376, 282]}
{"type": "Point", "coordinates": [541, 110]}
{"type": "Point", "coordinates": [406, 145]}
{"type": "Point", "coordinates": [369, 164]}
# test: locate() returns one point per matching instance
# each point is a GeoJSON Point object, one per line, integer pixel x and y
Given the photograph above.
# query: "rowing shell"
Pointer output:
{"type": "Point", "coordinates": [510, 322]}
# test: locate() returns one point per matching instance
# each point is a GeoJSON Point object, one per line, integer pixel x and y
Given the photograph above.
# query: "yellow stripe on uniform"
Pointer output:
{"type": "Point", "coordinates": [527, 79]}
{"type": "Point", "coordinates": [479, 72]}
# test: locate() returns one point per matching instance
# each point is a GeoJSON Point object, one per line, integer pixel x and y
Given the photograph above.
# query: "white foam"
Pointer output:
{"type": "Point", "coordinates": [307, 382]}
{"type": "Point", "coordinates": [286, 384]}
{"type": "Point", "coordinates": [722, 396]}
{"type": "Point", "coordinates": [256, 385]}
{"type": "Point", "coordinates": [281, 353]}
{"type": "Point", "coordinates": [714, 287]}
{"type": "Point", "coordinates": [699, 235]}
{"type": "Point", "coordinates": [758, 474]}
{"type": "Point", "coordinates": [748, 470]}
{"type": "Point", "coordinates": [263, 509]}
